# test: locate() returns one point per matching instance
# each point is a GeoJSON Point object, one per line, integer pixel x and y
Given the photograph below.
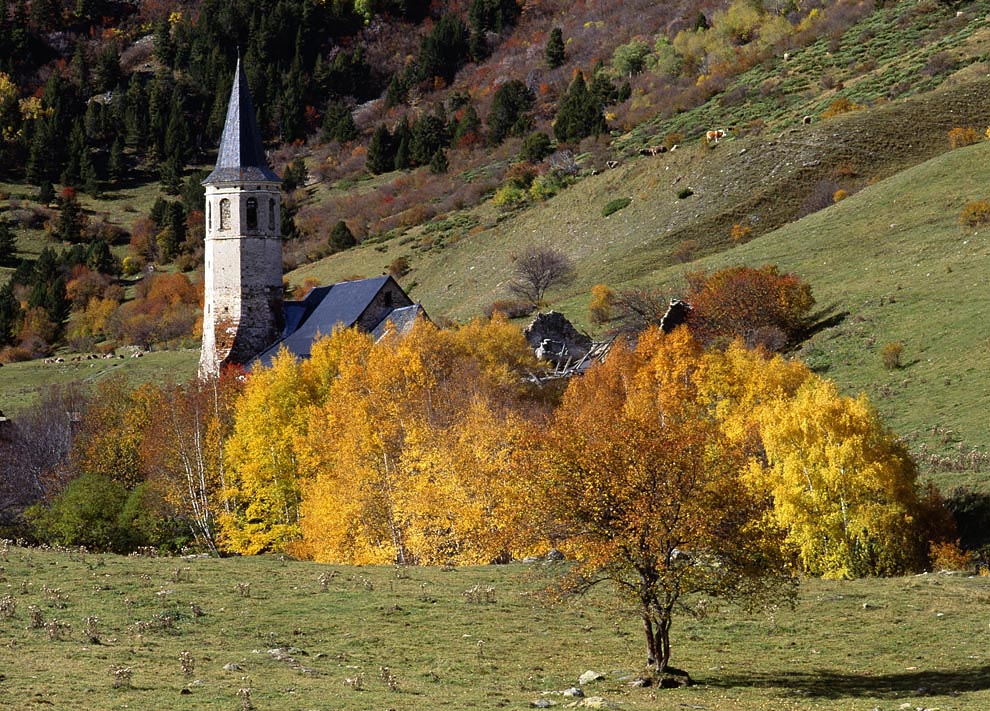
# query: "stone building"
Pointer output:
{"type": "Point", "coordinates": [245, 320]}
{"type": "Point", "coordinates": [242, 309]}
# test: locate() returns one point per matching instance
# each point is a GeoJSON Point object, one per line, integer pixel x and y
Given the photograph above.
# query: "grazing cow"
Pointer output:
{"type": "Point", "coordinates": [653, 150]}
{"type": "Point", "coordinates": [611, 164]}
{"type": "Point", "coordinates": [713, 136]}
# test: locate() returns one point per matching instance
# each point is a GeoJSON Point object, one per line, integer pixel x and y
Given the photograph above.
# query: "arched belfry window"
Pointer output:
{"type": "Point", "coordinates": [252, 213]}
{"type": "Point", "coordinates": [225, 214]}
{"type": "Point", "coordinates": [271, 213]}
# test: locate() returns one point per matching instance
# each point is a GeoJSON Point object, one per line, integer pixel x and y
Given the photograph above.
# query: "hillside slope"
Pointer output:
{"type": "Point", "coordinates": [892, 256]}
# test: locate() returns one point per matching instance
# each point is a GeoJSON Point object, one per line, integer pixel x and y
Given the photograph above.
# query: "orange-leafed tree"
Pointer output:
{"type": "Point", "coordinates": [762, 306]}
{"type": "Point", "coordinates": [637, 482]}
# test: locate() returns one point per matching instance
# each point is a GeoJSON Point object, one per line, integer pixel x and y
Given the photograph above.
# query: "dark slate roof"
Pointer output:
{"type": "Point", "coordinates": [241, 156]}
{"type": "Point", "coordinates": [323, 309]}
{"type": "Point", "coordinates": [400, 320]}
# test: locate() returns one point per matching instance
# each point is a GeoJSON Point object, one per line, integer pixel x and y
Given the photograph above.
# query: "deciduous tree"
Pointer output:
{"type": "Point", "coordinates": [637, 482]}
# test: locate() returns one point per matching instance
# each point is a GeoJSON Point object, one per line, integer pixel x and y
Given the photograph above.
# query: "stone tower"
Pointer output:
{"type": "Point", "coordinates": [242, 309]}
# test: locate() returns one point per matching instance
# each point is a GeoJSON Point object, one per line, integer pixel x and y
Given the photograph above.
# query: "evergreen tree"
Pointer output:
{"type": "Point", "coordinates": [555, 53]}
{"type": "Point", "coordinates": [106, 69]}
{"type": "Point", "coordinates": [429, 135]}
{"type": "Point", "coordinates": [294, 175]}
{"type": "Point", "coordinates": [88, 179]}
{"type": "Point", "coordinates": [8, 244]}
{"type": "Point", "coordinates": [69, 225]}
{"type": "Point", "coordinates": [338, 123]}
{"type": "Point", "coordinates": [381, 154]}
{"type": "Point", "coordinates": [170, 174]}
{"type": "Point", "coordinates": [99, 258]}
{"type": "Point", "coordinates": [77, 145]}
{"type": "Point", "coordinates": [401, 139]}
{"type": "Point", "coordinates": [116, 164]}
{"type": "Point", "coordinates": [602, 88]}
{"type": "Point", "coordinates": [341, 237]}
{"type": "Point", "coordinates": [136, 113]}
{"type": "Point", "coordinates": [10, 314]}
{"type": "Point", "coordinates": [509, 114]}
{"type": "Point", "coordinates": [164, 50]}
{"type": "Point", "coordinates": [468, 128]}
{"type": "Point", "coordinates": [444, 50]}
{"type": "Point", "coordinates": [580, 114]}
{"type": "Point", "coordinates": [438, 163]}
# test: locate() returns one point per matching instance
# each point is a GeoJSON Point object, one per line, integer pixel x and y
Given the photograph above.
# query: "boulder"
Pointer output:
{"type": "Point", "coordinates": [590, 676]}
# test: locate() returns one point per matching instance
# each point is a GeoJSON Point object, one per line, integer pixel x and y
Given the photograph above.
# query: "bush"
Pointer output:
{"type": "Point", "coordinates": [615, 205]}
{"type": "Point", "coordinates": [959, 137]}
{"type": "Point", "coordinates": [535, 147]}
{"type": "Point", "coordinates": [842, 105]}
{"type": "Point", "coordinates": [975, 213]}
{"type": "Point", "coordinates": [949, 555]}
{"type": "Point", "coordinates": [740, 232]}
{"type": "Point", "coordinates": [684, 193]}
{"type": "Point", "coordinates": [510, 308]}
{"type": "Point", "coordinates": [891, 355]}
{"type": "Point", "coordinates": [839, 195]}
{"type": "Point", "coordinates": [600, 306]}
{"type": "Point", "coordinates": [509, 197]}
{"type": "Point", "coordinates": [399, 267]}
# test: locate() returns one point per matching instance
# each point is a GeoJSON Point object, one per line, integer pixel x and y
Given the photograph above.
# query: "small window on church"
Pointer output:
{"type": "Point", "coordinates": [271, 213]}
{"type": "Point", "coordinates": [209, 215]}
{"type": "Point", "coordinates": [252, 213]}
{"type": "Point", "coordinates": [225, 214]}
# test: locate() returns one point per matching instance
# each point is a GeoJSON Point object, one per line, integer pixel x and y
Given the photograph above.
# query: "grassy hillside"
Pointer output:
{"type": "Point", "coordinates": [892, 258]}
{"type": "Point", "coordinates": [271, 627]}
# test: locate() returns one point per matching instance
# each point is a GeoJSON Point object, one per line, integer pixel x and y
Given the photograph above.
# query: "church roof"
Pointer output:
{"type": "Point", "coordinates": [241, 156]}
{"type": "Point", "coordinates": [339, 306]}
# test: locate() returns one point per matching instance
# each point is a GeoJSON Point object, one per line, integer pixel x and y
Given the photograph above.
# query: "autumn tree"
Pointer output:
{"type": "Point", "coordinates": [182, 455]}
{"type": "Point", "coordinates": [536, 269]}
{"type": "Point", "coordinates": [634, 479]}
{"type": "Point", "coordinates": [760, 305]}
{"type": "Point", "coordinates": [844, 487]}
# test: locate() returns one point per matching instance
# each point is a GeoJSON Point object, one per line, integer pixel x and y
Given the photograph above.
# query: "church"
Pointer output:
{"type": "Point", "coordinates": [246, 320]}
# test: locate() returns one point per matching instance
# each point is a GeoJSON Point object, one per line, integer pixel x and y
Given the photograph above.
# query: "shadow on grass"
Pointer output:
{"type": "Point", "coordinates": [835, 685]}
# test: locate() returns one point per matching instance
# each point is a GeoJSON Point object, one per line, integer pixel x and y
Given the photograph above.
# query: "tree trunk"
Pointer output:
{"type": "Point", "coordinates": [657, 643]}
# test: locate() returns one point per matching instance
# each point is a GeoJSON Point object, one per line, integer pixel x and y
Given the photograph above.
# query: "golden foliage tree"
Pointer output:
{"type": "Point", "coordinates": [843, 485]}
{"type": "Point", "coordinates": [639, 484]}
{"type": "Point", "coordinates": [408, 446]}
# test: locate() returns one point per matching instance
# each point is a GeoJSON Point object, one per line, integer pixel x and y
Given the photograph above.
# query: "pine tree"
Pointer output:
{"type": "Point", "coordinates": [468, 128]}
{"type": "Point", "coordinates": [341, 237]}
{"type": "Point", "coordinates": [580, 114]}
{"type": "Point", "coordinates": [8, 245]}
{"type": "Point", "coordinates": [69, 225]}
{"type": "Point", "coordinates": [509, 115]}
{"type": "Point", "coordinates": [381, 154]}
{"type": "Point", "coordinates": [438, 163]}
{"type": "Point", "coordinates": [554, 52]}
{"type": "Point", "coordinates": [10, 314]}
{"type": "Point", "coordinates": [99, 258]}
{"type": "Point", "coordinates": [116, 164]}
{"type": "Point", "coordinates": [338, 123]}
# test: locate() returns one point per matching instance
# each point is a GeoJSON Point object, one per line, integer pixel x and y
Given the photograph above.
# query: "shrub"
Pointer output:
{"type": "Point", "coordinates": [842, 105]}
{"type": "Point", "coordinates": [975, 213]}
{"type": "Point", "coordinates": [959, 137]}
{"type": "Point", "coordinates": [535, 147]}
{"type": "Point", "coordinates": [615, 205]}
{"type": "Point", "coordinates": [399, 267]}
{"type": "Point", "coordinates": [948, 555]}
{"type": "Point", "coordinates": [839, 195]}
{"type": "Point", "coordinates": [891, 355]}
{"type": "Point", "coordinates": [684, 193]}
{"type": "Point", "coordinates": [510, 308]}
{"type": "Point", "coordinates": [509, 197]}
{"type": "Point", "coordinates": [600, 306]}
{"type": "Point", "coordinates": [741, 232]}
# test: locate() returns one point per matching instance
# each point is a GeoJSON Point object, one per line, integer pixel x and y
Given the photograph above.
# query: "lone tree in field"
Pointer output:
{"type": "Point", "coordinates": [636, 481]}
{"type": "Point", "coordinates": [538, 268]}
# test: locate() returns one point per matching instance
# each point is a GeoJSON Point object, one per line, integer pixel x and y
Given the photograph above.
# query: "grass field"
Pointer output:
{"type": "Point", "coordinates": [301, 641]}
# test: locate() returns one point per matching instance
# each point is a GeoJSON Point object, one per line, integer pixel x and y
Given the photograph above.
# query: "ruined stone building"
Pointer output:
{"type": "Point", "coordinates": [245, 319]}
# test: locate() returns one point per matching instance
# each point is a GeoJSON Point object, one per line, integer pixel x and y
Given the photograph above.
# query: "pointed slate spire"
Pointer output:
{"type": "Point", "coordinates": [241, 156]}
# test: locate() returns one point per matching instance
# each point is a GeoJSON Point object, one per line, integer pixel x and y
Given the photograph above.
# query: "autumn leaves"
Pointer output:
{"type": "Point", "coordinates": [429, 449]}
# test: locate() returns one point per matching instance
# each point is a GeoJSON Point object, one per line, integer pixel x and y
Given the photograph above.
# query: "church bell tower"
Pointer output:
{"type": "Point", "coordinates": [242, 306]}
